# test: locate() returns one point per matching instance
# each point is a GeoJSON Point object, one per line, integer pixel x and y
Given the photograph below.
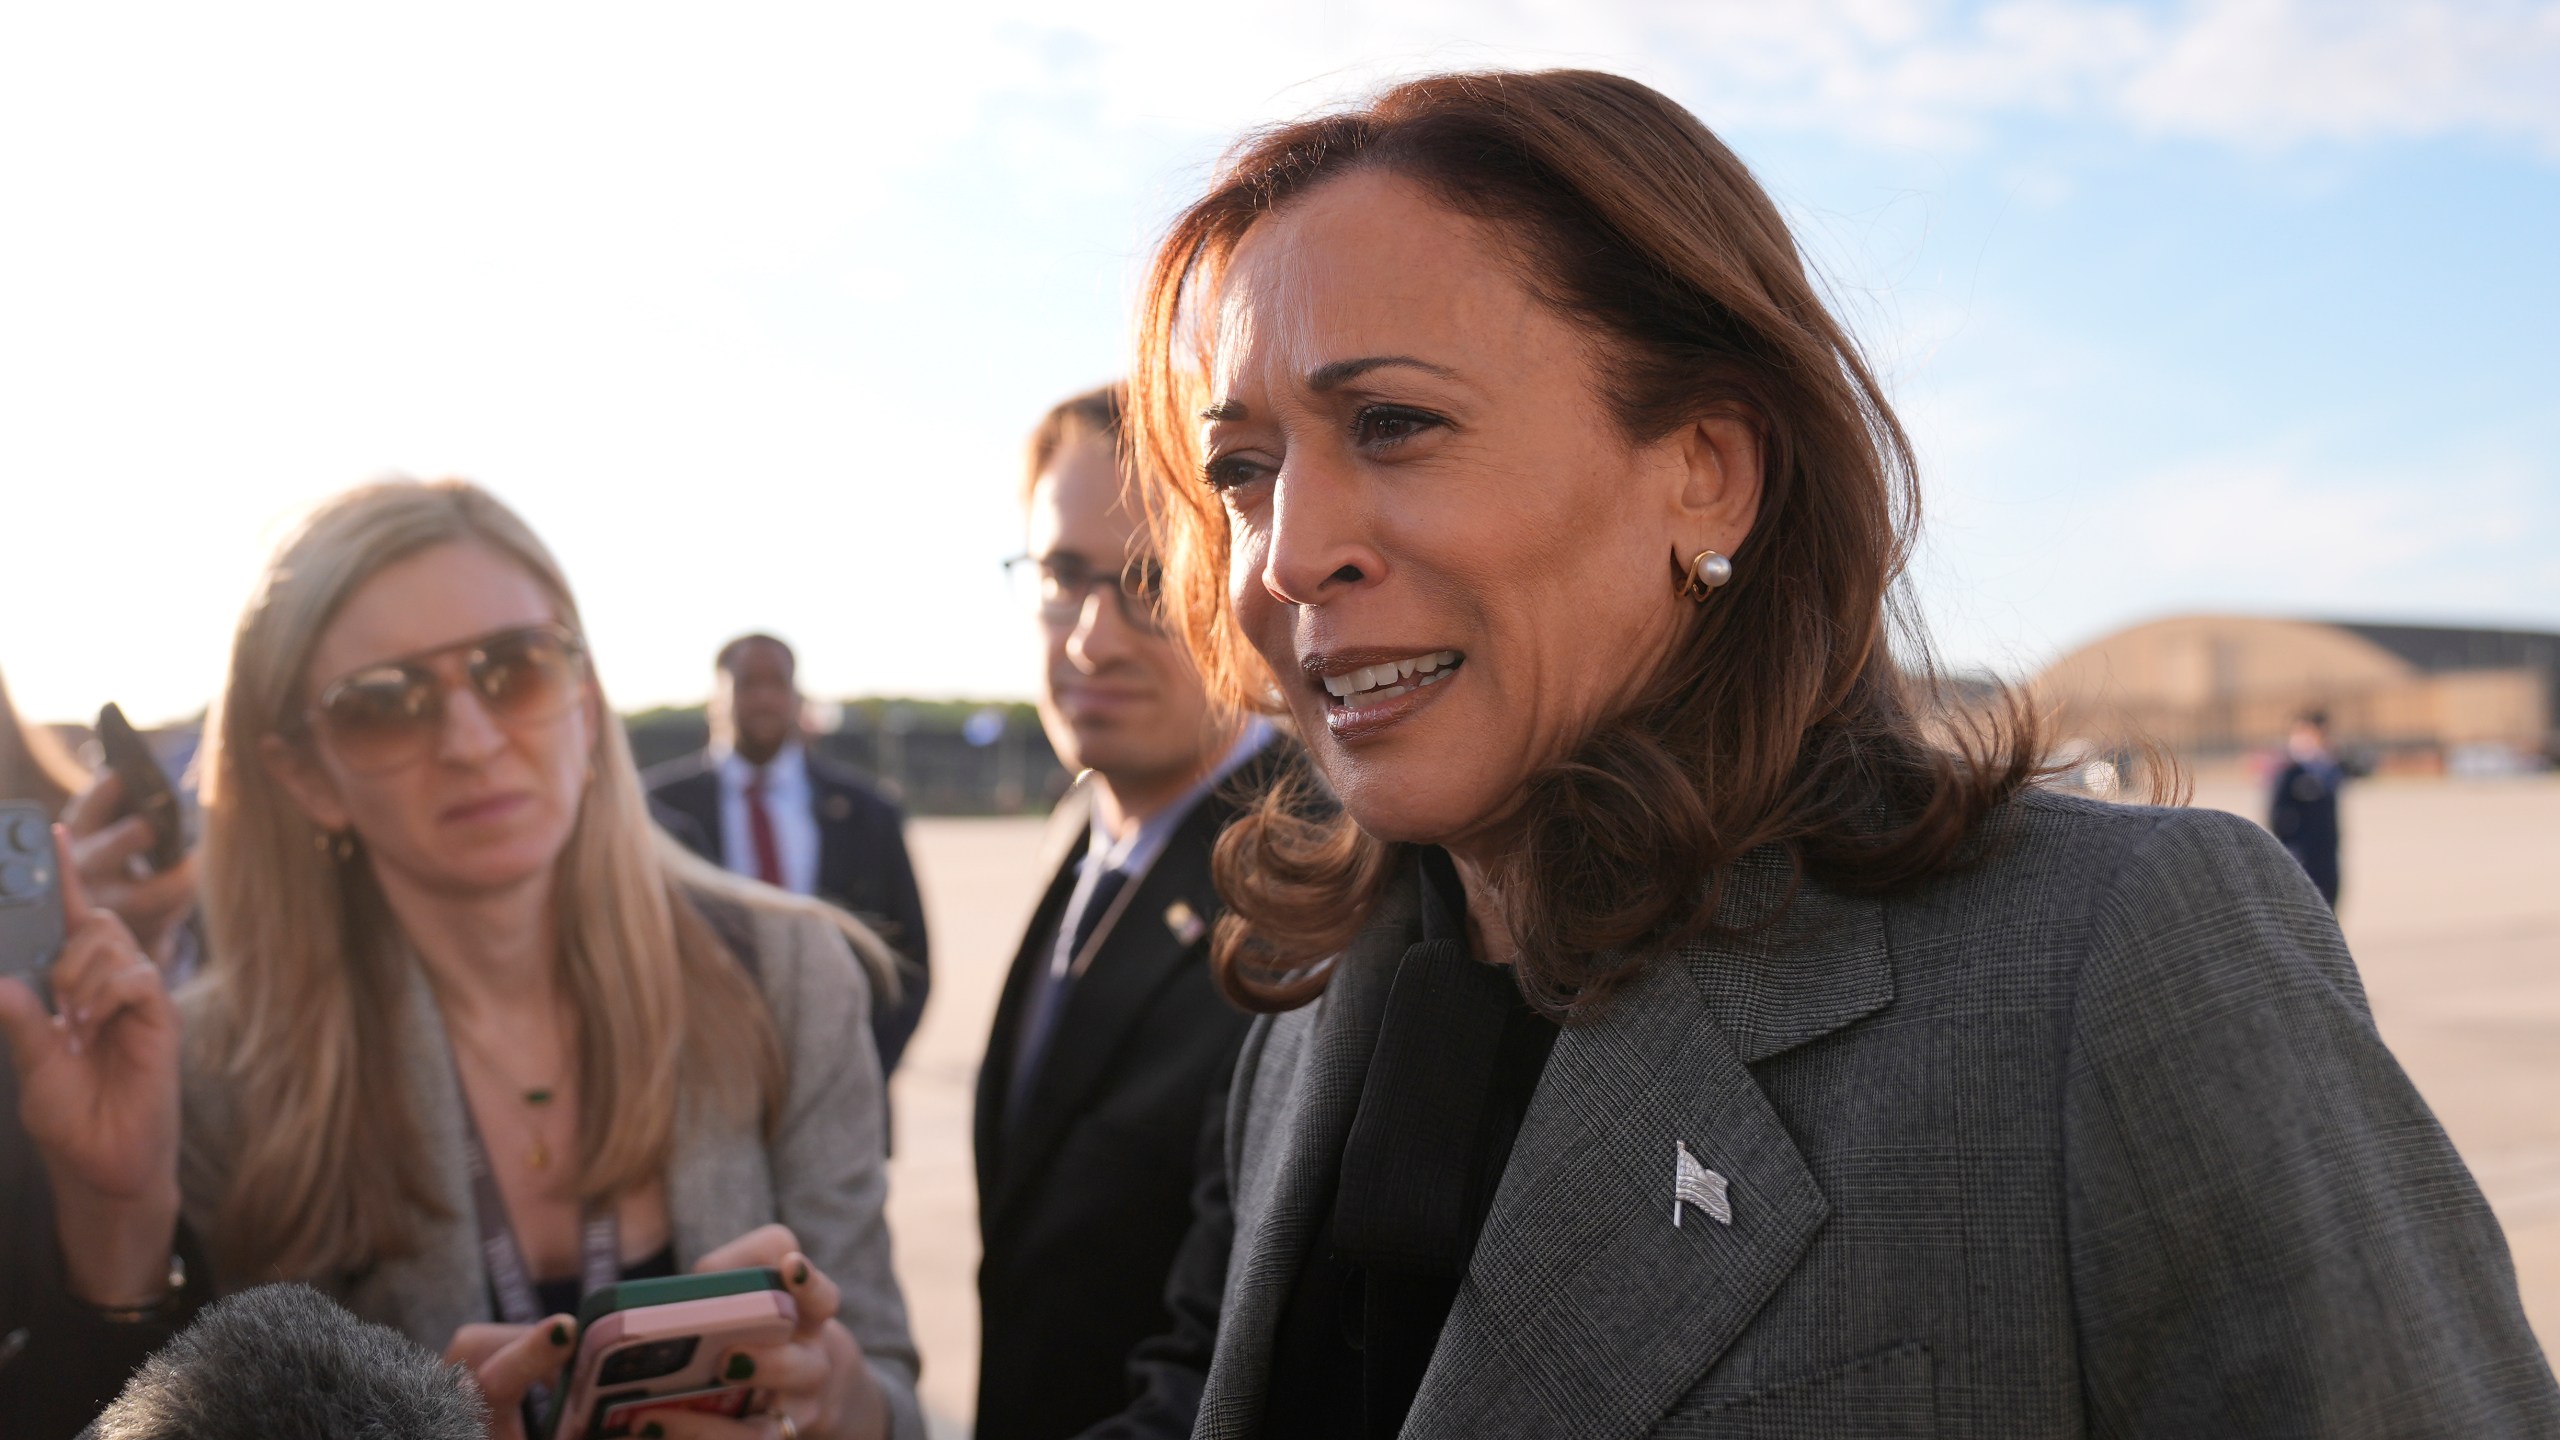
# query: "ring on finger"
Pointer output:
{"type": "Point", "coordinates": [784, 1427]}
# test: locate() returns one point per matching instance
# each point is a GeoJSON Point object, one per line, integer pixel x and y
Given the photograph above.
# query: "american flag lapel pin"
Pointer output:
{"type": "Point", "coordinates": [1695, 1184]}
{"type": "Point", "coordinates": [1185, 923]}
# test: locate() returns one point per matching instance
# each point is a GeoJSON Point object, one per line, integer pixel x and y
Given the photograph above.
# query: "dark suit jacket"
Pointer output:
{"type": "Point", "coordinates": [1083, 1199]}
{"type": "Point", "coordinates": [862, 866]}
{"type": "Point", "coordinates": [2093, 1138]}
{"type": "Point", "coordinates": [2304, 816]}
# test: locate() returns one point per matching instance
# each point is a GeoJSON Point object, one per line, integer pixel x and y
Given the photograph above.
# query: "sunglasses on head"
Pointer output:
{"type": "Point", "coordinates": [387, 716]}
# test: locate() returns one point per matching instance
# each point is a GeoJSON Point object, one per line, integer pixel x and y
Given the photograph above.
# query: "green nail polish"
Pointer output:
{"type": "Point", "coordinates": [742, 1367]}
{"type": "Point", "coordinates": [800, 1273]}
{"type": "Point", "coordinates": [559, 1333]}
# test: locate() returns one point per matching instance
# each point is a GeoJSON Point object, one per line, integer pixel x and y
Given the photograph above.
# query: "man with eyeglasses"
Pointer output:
{"type": "Point", "coordinates": [1111, 1046]}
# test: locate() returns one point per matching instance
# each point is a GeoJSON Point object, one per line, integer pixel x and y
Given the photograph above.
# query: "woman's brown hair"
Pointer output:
{"type": "Point", "coordinates": [1095, 414]}
{"type": "Point", "coordinates": [1784, 718]}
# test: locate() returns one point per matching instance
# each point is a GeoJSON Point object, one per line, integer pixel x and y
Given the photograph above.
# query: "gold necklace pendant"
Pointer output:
{"type": "Point", "coordinates": [534, 1101]}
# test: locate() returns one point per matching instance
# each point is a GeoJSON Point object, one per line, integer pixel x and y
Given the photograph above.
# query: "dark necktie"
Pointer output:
{"type": "Point", "coordinates": [1049, 992]}
{"type": "Point", "coordinates": [760, 831]}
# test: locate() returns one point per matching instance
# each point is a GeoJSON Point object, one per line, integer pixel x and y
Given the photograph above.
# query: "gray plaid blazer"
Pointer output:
{"type": "Point", "coordinates": [2095, 1137]}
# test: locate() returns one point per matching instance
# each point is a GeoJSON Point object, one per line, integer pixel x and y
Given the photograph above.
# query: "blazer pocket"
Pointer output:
{"type": "Point", "coordinates": [1889, 1395]}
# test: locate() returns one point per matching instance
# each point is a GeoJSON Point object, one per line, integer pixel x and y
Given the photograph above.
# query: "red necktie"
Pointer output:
{"type": "Point", "coordinates": [760, 832]}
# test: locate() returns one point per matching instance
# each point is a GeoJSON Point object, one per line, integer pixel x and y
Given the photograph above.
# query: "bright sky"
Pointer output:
{"type": "Point", "coordinates": [2241, 304]}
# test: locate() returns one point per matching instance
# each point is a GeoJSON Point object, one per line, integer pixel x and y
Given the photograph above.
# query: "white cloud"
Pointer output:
{"type": "Point", "coordinates": [2254, 73]}
{"type": "Point", "coordinates": [2276, 531]}
{"type": "Point", "coordinates": [2268, 73]}
{"type": "Point", "coordinates": [2279, 523]}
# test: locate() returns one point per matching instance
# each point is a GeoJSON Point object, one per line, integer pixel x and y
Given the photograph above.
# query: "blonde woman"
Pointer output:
{"type": "Point", "coordinates": [474, 1037]}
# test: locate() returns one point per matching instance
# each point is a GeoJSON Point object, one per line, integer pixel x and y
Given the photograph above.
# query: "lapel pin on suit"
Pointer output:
{"type": "Point", "coordinates": [1695, 1184]}
{"type": "Point", "coordinates": [1185, 923]}
{"type": "Point", "coordinates": [837, 807]}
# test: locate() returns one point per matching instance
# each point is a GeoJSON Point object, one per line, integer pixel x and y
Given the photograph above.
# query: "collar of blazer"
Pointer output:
{"type": "Point", "coordinates": [1585, 1310]}
{"type": "Point", "coordinates": [1145, 951]}
{"type": "Point", "coordinates": [1070, 825]}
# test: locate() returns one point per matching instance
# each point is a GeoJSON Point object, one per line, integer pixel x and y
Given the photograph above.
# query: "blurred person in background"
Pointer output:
{"type": "Point", "coordinates": [71, 1329]}
{"type": "Point", "coordinates": [761, 803]}
{"type": "Point", "coordinates": [1684, 1026]}
{"type": "Point", "coordinates": [2303, 810]}
{"type": "Point", "coordinates": [462, 1000]}
{"type": "Point", "coordinates": [106, 843]}
{"type": "Point", "coordinates": [1111, 1044]}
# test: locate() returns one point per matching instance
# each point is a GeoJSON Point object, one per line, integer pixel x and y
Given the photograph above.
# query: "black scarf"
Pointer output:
{"type": "Point", "coordinates": [1458, 1057]}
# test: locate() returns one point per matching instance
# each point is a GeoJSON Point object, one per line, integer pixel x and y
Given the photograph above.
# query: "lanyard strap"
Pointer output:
{"type": "Point", "coordinates": [599, 1244]}
{"type": "Point", "coordinates": [599, 1239]}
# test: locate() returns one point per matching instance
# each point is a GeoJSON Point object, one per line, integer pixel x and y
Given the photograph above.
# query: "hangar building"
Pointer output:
{"type": "Point", "coordinates": [2409, 697]}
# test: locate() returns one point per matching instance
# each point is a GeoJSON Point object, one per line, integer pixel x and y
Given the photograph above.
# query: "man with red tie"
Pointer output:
{"type": "Point", "coordinates": [757, 802]}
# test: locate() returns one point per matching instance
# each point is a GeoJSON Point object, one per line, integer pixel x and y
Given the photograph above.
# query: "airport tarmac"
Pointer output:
{"type": "Point", "coordinates": [2452, 905]}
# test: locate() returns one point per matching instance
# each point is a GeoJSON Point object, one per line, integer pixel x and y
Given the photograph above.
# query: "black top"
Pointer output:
{"type": "Point", "coordinates": [561, 1296]}
{"type": "Point", "coordinates": [1458, 1057]}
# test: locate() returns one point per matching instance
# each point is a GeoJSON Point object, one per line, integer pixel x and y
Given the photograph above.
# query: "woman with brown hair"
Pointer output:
{"type": "Point", "coordinates": [1685, 1025]}
{"type": "Point", "coordinates": [474, 1037]}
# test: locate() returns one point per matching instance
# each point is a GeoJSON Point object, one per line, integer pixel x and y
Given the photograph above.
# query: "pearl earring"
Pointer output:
{"type": "Point", "coordinates": [1709, 572]}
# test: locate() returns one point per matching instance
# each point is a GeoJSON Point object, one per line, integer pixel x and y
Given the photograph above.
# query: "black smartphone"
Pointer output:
{"type": "Point", "coordinates": [147, 791]}
{"type": "Point", "coordinates": [30, 893]}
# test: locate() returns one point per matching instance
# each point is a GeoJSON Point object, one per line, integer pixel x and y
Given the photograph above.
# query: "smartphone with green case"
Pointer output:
{"type": "Point", "coordinates": [668, 1289]}
{"type": "Point", "coordinates": [651, 1345]}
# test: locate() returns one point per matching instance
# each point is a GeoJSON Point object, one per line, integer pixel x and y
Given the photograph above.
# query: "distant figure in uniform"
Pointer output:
{"type": "Point", "coordinates": [2305, 811]}
{"type": "Point", "coordinates": [1111, 1047]}
{"type": "Point", "coordinates": [758, 803]}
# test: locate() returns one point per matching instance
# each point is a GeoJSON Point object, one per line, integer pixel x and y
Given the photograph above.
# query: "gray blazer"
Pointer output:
{"type": "Point", "coordinates": [823, 1174]}
{"type": "Point", "coordinates": [2093, 1138]}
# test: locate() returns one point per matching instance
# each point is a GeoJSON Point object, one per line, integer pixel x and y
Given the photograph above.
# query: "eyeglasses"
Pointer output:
{"type": "Point", "coordinates": [388, 716]}
{"type": "Point", "coordinates": [1058, 585]}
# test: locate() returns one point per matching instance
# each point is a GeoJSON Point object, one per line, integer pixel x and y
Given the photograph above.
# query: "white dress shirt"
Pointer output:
{"type": "Point", "coordinates": [787, 802]}
{"type": "Point", "coordinates": [1136, 851]}
{"type": "Point", "coordinates": [1133, 854]}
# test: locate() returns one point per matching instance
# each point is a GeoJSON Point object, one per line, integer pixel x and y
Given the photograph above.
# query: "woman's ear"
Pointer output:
{"type": "Point", "coordinates": [1719, 500]}
{"type": "Point", "coordinates": [313, 790]}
